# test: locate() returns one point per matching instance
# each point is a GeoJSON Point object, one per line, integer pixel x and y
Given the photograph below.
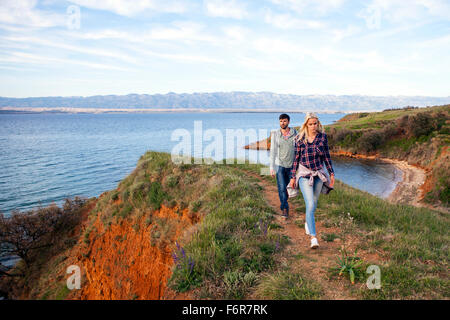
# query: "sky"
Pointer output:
{"type": "Point", "coordinates": [338, 47]}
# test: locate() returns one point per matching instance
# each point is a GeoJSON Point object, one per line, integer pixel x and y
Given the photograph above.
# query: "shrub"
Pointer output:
{"type": "Point", "coordinates": [125, 211]}
{"type": "Point", "coordinates": [421, 124]}
{"type": "Point", "coordinates": [139, 191]}
{"type": "Point", "coordinates": [115, 195]}
{"type": "Point", "coordinates": [342, 134]}
{"type": "Point", "coordinates": [156, 195]}
{"type": "Point", "coordinates": [370, 140]}
{"type": "Point", "coordinates": [171, 181]}
{"type": "Point", "coordinates": [26, 233]}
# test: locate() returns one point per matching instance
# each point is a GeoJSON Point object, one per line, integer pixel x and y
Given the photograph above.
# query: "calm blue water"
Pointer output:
{"type": "Point", "coordinates": [48, 157]}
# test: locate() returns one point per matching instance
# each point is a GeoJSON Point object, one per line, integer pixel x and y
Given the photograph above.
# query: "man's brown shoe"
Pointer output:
{"type": "Point", "coordinates": [285, 214]}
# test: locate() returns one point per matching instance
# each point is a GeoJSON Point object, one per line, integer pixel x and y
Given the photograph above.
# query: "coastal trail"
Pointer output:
{"type": "Point", "coordinates": [312, 264]}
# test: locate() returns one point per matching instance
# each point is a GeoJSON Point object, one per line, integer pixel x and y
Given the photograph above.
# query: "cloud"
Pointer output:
{"type": "Point", "coordinates": [132, 8]}
{"type": "Point", "coordinates": [403, 12]}
{"type": "Point", "coordinates": [181, 30]}
{"type": "Point", "coordinates": [340, 34]}
{"type": "Point", "coordinates": [38, 60]}
{"type": "Point", "coordinates": [319, 7]}
{"type": "Point", "coordinates": [72, 48]}
{"type": "Point", "coordinates": [435, 43]}
{"type": "Point", "coordinates": [24, 13]}
{"type": "Point", "coordinates": [178, 57]}
{"type": "Point", "coordinates": [225, 8]}
{"type": "Point", "coordinates": [287, 21]}
{"type": "Point", "coordinates": [235, 34]}
{"type": "Point", "coordinates": [177, 31]}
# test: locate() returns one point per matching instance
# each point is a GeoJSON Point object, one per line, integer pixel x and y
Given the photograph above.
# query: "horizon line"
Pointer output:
{"type": "Point", "coordinates": [213, 92]}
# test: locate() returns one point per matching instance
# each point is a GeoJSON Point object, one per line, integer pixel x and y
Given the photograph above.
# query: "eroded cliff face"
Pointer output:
{"type": "Point", "coordinates": [131, 259]}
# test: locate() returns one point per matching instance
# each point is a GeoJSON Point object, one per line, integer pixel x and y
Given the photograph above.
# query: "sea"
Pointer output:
{"type": "Point", "coordinates": [48, 157]}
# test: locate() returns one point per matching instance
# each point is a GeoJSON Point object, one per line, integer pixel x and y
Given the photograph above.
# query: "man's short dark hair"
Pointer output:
{"type": "Point", "coordinates": [284, 116]}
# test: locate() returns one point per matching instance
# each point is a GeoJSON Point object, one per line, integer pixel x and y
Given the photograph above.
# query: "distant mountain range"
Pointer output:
{"type": "Point", "coordinates": [222, 101]}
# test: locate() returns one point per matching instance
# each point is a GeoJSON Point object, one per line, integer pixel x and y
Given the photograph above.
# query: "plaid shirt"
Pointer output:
{"type": "Point", "coordinates": [312, 155]}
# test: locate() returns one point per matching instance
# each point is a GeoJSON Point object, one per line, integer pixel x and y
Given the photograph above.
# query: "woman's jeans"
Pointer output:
{"type": "Point", "coordinates": [311, 196]}
{"type": "Point", "coordinates": [283, 178]}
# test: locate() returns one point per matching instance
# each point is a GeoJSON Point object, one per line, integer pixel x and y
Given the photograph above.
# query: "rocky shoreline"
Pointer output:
{"type": "Point", "coordinates": [409, 188]}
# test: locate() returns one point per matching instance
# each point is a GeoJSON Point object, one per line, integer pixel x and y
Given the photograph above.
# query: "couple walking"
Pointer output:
{"type": "Point", "coordinates": [296, 158]}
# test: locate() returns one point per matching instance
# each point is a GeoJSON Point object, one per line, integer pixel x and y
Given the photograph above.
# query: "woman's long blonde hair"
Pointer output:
{"type": "Point", "coordinates": [303, 134]}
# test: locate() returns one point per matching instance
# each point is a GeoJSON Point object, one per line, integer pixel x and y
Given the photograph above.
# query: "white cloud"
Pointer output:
{"type": "Point", "coordinates": [225, 8]}
{"type": "Point", "coordinates": [177, 31]}
{"type": "Point", "coordinates": [72, 48]}
{"type": "Point", "coordinates": [319, 7]}
{"type": "Point", "coordinates": [403, 12]}
{"type": "Point", "coordinates": [132, 8]}
{"type": "Point", "coordinates": [235, 34]}
{"type": "Point", "coordinates": [276, 46]}
{"type": "Point", "coordinates": [435, 42]}
{"type": "Point", "coordinates": [104, 34]}
{"type": "Point", "coordinates": [287, 21]}
{"type": "Point", "coordinates": [340, 34]}
{"type": "Point", "coordinates": [178, 57]}
{"type": "Point", "coordinates": [24, 13]}
{"type": "Point", "coordinates": [38, 60]}
{"type": "Point", "coordinates": [181, 30]}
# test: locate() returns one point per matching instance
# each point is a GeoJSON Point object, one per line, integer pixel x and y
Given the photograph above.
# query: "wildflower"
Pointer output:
{"type": "Point", "coordinates": [191, 264]}
{"type": "Point", "coordinates": [265, 228]}
{"type": "Point", "coordinates": [175, 258]}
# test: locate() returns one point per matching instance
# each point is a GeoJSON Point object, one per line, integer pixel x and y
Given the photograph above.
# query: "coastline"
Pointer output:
{"type": "Point", "coordinates": [409, 190]}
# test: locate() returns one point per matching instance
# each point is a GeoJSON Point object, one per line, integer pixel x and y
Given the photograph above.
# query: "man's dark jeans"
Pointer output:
{"type": "Point", "coordinates": [283, 179]}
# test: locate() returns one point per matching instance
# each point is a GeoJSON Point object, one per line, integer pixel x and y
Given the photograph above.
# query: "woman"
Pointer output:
{"type": "Point", "coordinates": [311, 151]}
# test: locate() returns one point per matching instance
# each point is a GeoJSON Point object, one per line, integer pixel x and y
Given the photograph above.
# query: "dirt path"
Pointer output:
{"type": "Point", "coordinates": [313, 264]}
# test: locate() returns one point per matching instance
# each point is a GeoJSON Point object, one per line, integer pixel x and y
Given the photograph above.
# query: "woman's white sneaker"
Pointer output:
{"type": "Point", "coordinates": [314, 243]}
{"type": "Point", "coordinates": [306, 228]}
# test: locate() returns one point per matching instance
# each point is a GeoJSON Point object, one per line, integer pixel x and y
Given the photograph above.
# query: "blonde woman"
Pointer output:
{"type": "Point", "coordinates": [311, 151]}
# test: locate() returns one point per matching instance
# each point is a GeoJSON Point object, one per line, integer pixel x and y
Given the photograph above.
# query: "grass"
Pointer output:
{"type": "Point", "coordinates": [371, 120]}
{"type": "Point", "coordinates": [329, 237]}
{"type": "Point", "coordinates": [284, 285]}
{"type": "Point", "coordinates": [350, 265]}
{"type": "Point", "coordinates": [413, 242]}
{"type": "Point", "coordinates": [235, 246]}
{"type": "Point", "coordinates": [62, 292]}
{"type": "Point", "coordinates": [235, 239]}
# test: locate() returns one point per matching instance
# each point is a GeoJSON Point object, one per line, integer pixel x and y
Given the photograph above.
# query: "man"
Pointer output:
{"type": "Point", "coordinates": [281, 159]}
